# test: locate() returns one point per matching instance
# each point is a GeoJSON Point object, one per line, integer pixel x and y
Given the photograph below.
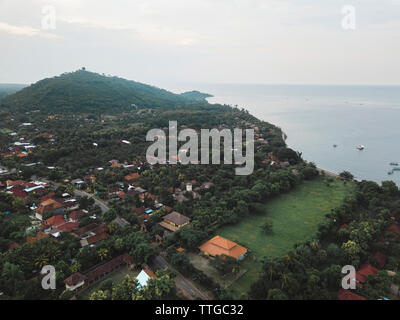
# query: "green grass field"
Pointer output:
{"type": "Point", "coordinates": [295, 217]}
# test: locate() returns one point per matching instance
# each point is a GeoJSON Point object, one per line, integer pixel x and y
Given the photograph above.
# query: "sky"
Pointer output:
{"type": "Point", "coordinates": [164, 42]}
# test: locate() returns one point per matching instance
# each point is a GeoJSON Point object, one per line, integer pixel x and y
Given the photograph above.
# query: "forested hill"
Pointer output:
{"type": "Point", "coordinates": [6, 89]}
{"type": "Point", "coordinates": [88, 92]}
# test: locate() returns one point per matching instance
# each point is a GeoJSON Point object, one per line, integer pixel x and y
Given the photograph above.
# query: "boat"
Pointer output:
{"type": "Point", "coordinates": [394, 163]}
{"type": "Point", "coordinates": [335, 145]}
{"type": "Point", "coordinates": [390, 172]}
{"type": "Point", "coordinates": [396, 169]}
{"type": "Point", "coordinates": [360, 147]}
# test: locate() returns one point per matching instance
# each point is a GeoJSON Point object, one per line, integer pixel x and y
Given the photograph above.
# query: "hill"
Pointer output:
{"type": "Point", "coordinates": [6, 89]}
{"type": "Point", "coordinates": [87, 92]}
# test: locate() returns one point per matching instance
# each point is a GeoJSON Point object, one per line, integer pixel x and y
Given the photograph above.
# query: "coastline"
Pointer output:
{"type": "Point", "coordinates": [320, 170]}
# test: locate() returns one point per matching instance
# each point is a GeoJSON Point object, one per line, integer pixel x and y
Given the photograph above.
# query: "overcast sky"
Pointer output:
{"type": "Point", "coordinates": [202, 41]}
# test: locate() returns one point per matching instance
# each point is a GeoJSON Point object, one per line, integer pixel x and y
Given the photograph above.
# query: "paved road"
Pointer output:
{"type": "Point", "coordinates": [185, 286]}
{"type": "Point", "coordinates": [100, 203]}
{"type": "Point", "coordinates": [81, 193]}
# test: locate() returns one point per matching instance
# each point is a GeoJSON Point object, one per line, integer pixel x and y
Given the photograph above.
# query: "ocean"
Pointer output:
{"type": "Point", "coordinates": [315, 118]}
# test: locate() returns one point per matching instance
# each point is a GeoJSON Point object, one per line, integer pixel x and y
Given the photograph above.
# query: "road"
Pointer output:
{"type": "Point", "coordinates": [185, 286]}
{"type": "Point", "coordinates": [104, 208]}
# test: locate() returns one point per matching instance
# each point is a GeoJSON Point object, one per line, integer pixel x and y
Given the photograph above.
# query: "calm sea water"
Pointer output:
{"type": "Point", "coordinates": [317, 117]}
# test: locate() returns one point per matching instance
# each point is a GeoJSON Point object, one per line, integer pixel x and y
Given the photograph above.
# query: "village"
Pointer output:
{"type": "Point", "coordinates": [57, 208]}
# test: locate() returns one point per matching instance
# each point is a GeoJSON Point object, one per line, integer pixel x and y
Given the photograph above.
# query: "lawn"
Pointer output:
{"type": "Point", "coordinates": [295, 217]}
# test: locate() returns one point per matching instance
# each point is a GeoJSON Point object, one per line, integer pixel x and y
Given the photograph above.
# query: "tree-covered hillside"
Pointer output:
{"type": "Point", "coordinates": [6, 89]}
{"type": "Point", "coordinates": [88, 92]}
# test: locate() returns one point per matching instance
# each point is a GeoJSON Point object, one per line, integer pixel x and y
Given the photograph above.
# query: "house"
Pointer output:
{"type": "Point", "coordinates": [121, 195]}
{"type": "Point", "coordinates": [55, 221]}
{"type": "Point", "coordinates": [218, 246]}
{"type": "Point", "coordinates": [49, 206]}
{"type": "Point", "coordinates": [348, 295]}
{"type": "Point", "coordinates": [132, 177]}
{"type": "Point", "coordinates": [90, 178]}
{"type": "Point", "coordinates": [91, 240]}
{"type": "Point", "coordinates": [92, 234]}
{"type": "Point", "coordinates": [75, 281]}
{"type": "Point", "coordinates": [112, 192]}
{"type": "Point", "coordinates": [69, 227]}
{"type": "Point", "coordinates": [11, 183]}
{"type": "Point", "coordinates": [77, 182]}
{"type": "Point", "coordinates": [18, 191]}
{"type": "Point", "coordinates": [144, 276]}
{"type": "Point", "coordinates": [74, 216]}
{"type": "Point", "coordinates": [139, 211]}
{"type": "Point", "coordinates": [174, 220]}
{"type": "Point", "coordinates": [363, 273]}
{"type": "Point", "coordinates": [115, 165]}
{"type": "Point", "coordinates": [79, 280]}
{"type": "Point", "coordinates": [148, 196]}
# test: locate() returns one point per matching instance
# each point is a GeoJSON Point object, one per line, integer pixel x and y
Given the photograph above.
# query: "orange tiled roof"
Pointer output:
{"type": "Point", "coordinates": [49, 205]}
{"type": "Point", "coordinates": [218, 246]}
{"type": "Point", "coordinates": [132, 176]}
{"type": "Point", "coordinates": [39, 235]}
{"type": "Point", "coordinates": [150, 273]}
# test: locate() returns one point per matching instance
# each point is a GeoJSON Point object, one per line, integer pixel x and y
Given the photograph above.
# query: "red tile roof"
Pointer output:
{"type": "Point", "coordinates": [380, 258]}
{"type": "Point", "coordinates": [108, 266]}
{"type": "Point", "coordinates": [364, 272]}
{"type": "Point", "coordinates": [18, 191]}
{"type": "Point", "coordinates": [75, 215]}
{"type": "Point", "coordinates": [348, 295]}
{"type": "Point", "coordinates": [132, 176]}
{"type": "Point", "coordinates": [69, 226]}
{"type": "Point", "coordinates": [150, 273]}
{"type": "Point", "coordinates": [74, 279]}
{"type": "Point", "coordinates": [96, 238]}
{"type": "Point", "coordinates": [56, 221]}
{"type": "Point", "coordinates": [139, 211]}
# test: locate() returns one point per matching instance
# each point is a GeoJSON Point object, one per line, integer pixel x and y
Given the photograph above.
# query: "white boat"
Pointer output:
{"type": "Point", "coordinates": [360, 147]}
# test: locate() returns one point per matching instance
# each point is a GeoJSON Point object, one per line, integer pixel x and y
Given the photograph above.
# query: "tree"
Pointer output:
{"type": "Point", "coordinates": [180, 260]}
{"type": "Point", "coordinates": [351, 248]}
{"type": "Point", "coordinates": [160, 288]}
{"type": "Point", "coordinates": [126, 290]}
{"type": "Point", "coordinates": [267, 226]}
{"type": "Point", "coordinates": [346, 175]}
{"type": "Point", "coordinates": [99, 295]}
{"type": "Point", "coordinates": [225, 264]}
{"type": "Point", "coordinates": [276, 294]}
{"type": "Point", "coordinates": [12, 279]}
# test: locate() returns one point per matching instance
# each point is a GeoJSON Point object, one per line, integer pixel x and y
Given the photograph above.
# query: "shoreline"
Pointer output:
{"type": "Point", "coordinates": [320, 170]}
